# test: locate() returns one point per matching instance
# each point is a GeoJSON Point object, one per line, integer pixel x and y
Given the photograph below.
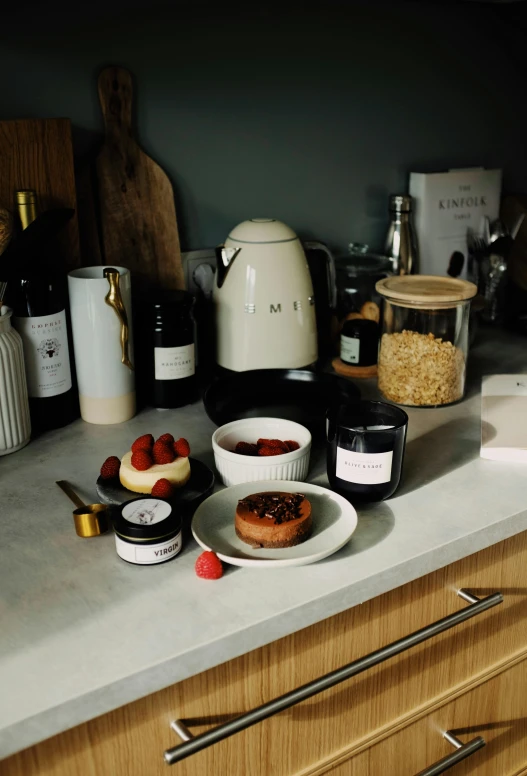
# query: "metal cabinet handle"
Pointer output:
{"type": "Point", "coordinates": [462, 751]}
{"type": "Point", "coordinates": [193, 744]}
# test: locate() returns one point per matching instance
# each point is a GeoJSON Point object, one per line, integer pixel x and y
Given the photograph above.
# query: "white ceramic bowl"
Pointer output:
{"type": "Point", "coordinates": [235, 469]}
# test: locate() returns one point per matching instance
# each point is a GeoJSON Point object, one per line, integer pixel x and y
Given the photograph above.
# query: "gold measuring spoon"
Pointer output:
{"type": "Point", "coordinates": [90, 519]}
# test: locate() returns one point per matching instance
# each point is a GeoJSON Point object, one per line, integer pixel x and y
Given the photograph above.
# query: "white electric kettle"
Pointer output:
{"type": "Point", "coordinates": [263, 298]}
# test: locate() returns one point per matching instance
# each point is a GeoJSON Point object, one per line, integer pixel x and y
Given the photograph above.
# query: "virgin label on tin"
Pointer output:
{"type": "Point", "coordinates": [146, 511]}
{"type": "Point", "coordinates": [174, 363]}
{"type": "Point", "coordinates": [364, 468]}
{"type": "Point", "coordinates": [46, 354]}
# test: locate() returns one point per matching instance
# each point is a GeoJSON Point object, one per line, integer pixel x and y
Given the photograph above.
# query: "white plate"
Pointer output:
{"type": "Point", "coordinates": [334, 520]}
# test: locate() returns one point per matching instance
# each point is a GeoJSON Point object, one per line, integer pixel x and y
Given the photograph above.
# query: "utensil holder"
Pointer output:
{"type": "Point", "coordinates": [101, 316]}
{"type": "Point", "coordinates": [15, 425]}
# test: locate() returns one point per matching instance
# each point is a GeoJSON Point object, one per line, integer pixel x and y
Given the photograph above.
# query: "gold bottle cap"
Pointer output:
{"type": "Point", "coordinates": [91, 520]}
{"type": "Point", "coordinates": [26, 197]}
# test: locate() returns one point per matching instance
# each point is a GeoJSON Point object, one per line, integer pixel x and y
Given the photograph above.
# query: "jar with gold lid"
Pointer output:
{"type": "Point", "coordinates": [424, 340]}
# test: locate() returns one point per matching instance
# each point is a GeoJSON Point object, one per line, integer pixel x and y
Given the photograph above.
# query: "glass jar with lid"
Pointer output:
{"type": "Point", "coordinates": [357, 275]}
{"type": "Point", "coordinates": [424, 341]}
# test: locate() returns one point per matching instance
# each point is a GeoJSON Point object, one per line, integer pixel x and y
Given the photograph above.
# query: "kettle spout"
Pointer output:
{"type": "Point", "coordinates": [224, 260]}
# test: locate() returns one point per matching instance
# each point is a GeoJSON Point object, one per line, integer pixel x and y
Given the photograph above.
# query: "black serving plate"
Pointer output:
{"type": "Point", "coordinates": [293, 394]}
{"type": "Point", "coordinates": [186, 499]}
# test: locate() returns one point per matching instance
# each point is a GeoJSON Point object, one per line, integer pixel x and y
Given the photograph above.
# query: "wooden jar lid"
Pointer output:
{"type": "Point", "coordinates": [426, 290]}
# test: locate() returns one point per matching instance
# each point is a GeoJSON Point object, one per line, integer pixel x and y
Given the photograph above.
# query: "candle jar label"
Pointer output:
{"type": "Point", "coordinates": [364, 468]}
{"type": "Point", "coordinates": [174, 363]}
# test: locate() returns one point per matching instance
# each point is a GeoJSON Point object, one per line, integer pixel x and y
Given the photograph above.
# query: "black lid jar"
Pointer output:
{"type": "Point", "coordinates": [171, 353]}
{"type": "Point", "coordinates": [147, 531]}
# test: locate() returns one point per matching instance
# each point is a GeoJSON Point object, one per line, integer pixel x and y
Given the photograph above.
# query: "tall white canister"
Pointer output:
{"type": "Point", "coordinates": [101, 320]}
{"type": "Point", "coordinates": [15, 425]}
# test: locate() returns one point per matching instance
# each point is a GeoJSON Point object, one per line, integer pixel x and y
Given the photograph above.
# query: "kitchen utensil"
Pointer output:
{"type": "Point", "coordinates": [101, 315]}
{"type": "Point", "coordinates": [365, 450]}
{"type": "Point", "coordinates": [138, 215]}
{"type": "Point", "coordinates": [187, 498]}
{"type": "Point", "coordinates": [235, 468]}
{"type": "Point", "coordinates": [401, 242]}
{"type": "Point", "coordinates": [497, 267]}
{"type": "Point", "coordinates": [424, 344]}
{"type": "Point", "coordinates": [90, 519]}
{"type": "Point", "coordinates": [292, 394]}
{"type": "Point", "coordinates": [38, 154]}
{"type": "Point", "coordinates": [3, 286]}
{"type": "Point", "coordinates": [497, 230]}
{"type": "Point", "coordinates": [15, 424]}
{"type": "Point", "coordinates": [334, 521]}
{"type": "Point", "coordinates": [263, 297]}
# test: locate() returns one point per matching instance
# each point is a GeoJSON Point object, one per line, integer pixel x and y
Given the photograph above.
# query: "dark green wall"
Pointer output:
{"type": "Point", "coordinates": [312, 117]}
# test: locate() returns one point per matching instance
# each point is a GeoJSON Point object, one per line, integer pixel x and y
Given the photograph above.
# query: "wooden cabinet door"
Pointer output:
{"type": "Point", "coordinates": [496, 710]}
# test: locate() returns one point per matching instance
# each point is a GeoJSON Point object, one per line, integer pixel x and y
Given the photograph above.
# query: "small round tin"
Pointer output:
{"type": "Point", "coordinates": [147, 531]}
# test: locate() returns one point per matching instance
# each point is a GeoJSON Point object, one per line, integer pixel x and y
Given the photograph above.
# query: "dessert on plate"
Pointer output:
{"type": "Point", "coordinates": [147, 463]}
{"type": "Point", "coordinates": [273, 519]}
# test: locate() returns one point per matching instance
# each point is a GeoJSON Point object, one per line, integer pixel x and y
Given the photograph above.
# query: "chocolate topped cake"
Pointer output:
{"type": "Point", "coordinates": [273, 519]}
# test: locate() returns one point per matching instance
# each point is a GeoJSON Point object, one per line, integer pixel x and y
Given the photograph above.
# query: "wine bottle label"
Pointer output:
{"type": "Point", "coordinates": [174, 363]}
{"type": "Point", "coordinates": [46, 354]}
{"type": "Point", "coordinates": [364, 468]}
{"type": "Point", "coordinates": [349, 349]}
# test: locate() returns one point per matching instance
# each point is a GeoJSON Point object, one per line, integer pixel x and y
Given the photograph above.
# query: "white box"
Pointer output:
{"type": "Point", "coordinates": [447, 205]}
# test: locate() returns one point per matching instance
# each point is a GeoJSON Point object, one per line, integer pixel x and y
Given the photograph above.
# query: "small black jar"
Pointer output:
{"type": "Point", "coordinates": [359, 342]}
{"type": "Point", "coordinates": [170, 350]}
{"type": "Point", "coordinates": [365, 450]}
{"type": "Point", "coordinates": [147, 531]}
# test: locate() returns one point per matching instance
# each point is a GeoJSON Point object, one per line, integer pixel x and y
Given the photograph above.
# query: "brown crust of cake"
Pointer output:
{"type": "Point", "coordinates": [265, 533]}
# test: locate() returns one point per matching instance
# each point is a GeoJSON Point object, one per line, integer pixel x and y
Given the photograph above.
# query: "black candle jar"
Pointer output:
{"type": "Point", "coordinates": [365, 449]}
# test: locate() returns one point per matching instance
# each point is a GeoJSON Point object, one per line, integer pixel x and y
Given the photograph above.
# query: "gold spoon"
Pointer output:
{"type": "Point", "coordinates": [90, 519]}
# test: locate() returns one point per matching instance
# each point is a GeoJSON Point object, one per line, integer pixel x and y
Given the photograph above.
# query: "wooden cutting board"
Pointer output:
{"type": "Point", "coordinates": [37, 154]}
{"type": "Point", "coordinates": [138, 215]}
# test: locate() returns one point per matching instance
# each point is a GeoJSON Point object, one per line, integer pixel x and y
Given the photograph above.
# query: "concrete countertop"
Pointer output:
{"type": "Point", "coordinates": [82, 632]}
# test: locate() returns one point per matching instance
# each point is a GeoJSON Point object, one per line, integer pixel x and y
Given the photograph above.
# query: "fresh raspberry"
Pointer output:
{"type": "Point", "coordinates": [291, 445]}
{"type": "Point", "coordinates": [265, 450]}
{"type": "Point", "coordinates": [273, 443]}
{"type": "Point", "coordinates": [182, 448]}
{"type": "Point", "coordinates": [167, 439]}
{"type": "Point", "coordinates": [145, 442]}
{"type": "Point", "coordinates": [163, 489]}
{"type": "Point", "coordinates": [163, 453]}
{"type": "Point", "coordinates": [208, 566]}
{"type": "Point", "coordinates": [142, 460]}
{"type": "Point", "coordinates": [246, 448]}
{"type": "Point", "coordinates": [110, 468]}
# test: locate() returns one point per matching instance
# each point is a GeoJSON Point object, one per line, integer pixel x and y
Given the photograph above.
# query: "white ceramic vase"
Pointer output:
{"type": "Point", "coordinates": [15, 425]}
{"type": "Point", "coordinates": [101, 319]}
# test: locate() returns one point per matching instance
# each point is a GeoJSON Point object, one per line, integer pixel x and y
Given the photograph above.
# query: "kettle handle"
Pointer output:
{"type": "Point", "coordinates": [114, 299]}
{"type": "Point", "coordinates": [315, 245]}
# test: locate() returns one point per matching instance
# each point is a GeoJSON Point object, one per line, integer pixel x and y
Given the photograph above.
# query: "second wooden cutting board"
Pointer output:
{"type": "Point", "coordinates": [138, 215]}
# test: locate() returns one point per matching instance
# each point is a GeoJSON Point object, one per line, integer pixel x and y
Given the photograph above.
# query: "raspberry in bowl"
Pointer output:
{"type": "Point", "coordinates": [265, 461]}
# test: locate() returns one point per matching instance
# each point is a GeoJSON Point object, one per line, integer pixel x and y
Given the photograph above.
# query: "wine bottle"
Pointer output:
{"type": "Point", "coordinates": [38, 295]}
{"type": "Point", "coordinates": [170, 349]}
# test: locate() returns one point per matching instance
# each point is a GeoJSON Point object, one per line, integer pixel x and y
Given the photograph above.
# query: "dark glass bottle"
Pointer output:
{"type": "Point", "coordinates": [359, 342]}
{"type": "Point", "coordinates": [171, 353]}
{"type": "Point", "coordinates": [38, 295]}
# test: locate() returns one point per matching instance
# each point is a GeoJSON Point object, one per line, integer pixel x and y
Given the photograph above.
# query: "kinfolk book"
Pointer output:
{"type": "Point", "coordinates": [504, 418]}
{"type": "Point", "coordinates": [447, 206]}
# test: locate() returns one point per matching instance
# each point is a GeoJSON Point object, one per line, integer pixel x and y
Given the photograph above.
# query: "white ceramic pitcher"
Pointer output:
{"type": "Point", "coordinates": [101, 319]}
{"type": "Point", "coordinates": [15, 425]}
